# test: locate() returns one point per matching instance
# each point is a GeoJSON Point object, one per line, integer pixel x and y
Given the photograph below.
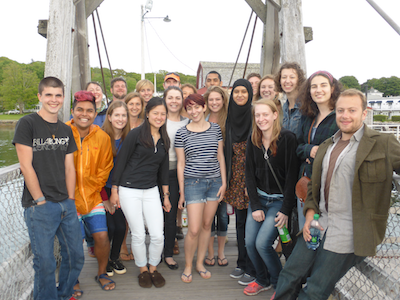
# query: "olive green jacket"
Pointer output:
{"type": "Point", "coordinates": [378, 154]}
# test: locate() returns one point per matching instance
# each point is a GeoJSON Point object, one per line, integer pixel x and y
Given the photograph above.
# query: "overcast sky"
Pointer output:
{"type": "Point", "coordinates": [350, 37]}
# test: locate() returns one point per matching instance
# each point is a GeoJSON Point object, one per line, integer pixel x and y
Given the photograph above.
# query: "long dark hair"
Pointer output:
{"type": "Point", "coordinates": [145, 131]}
{"type": "Point", "coordinates": [308, 107]}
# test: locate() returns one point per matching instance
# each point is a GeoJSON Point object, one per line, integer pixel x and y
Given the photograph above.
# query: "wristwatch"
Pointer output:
{"type": "Point", "coordinates": [166, 194]}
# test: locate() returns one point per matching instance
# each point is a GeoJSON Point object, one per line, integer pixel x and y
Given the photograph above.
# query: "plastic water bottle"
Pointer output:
{"type": "Point", "coordinates": [315, 233]}
{"type": "Point", "coordinates": [184, 218]}
{"type": "Point", "coordinates": [284, 234]}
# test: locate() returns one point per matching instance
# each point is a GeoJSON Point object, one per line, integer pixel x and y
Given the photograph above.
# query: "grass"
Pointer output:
{"type": "Point", "coordinates": [11, 117]}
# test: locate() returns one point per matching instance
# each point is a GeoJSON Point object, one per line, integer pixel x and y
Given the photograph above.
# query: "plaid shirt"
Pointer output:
{"type": "Point", "coordinates": [325, 130]}
{"type": "Point", "coordinates": [292, 118]}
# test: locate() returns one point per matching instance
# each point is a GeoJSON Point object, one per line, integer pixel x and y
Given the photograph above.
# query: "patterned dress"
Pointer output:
{"type": "Point", "coordinates": [235, 194]}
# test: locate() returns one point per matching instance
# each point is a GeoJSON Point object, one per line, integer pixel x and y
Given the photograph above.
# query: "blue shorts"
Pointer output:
{"type": "Point", "coordinates": [95, 221]}
{"type": "Point", "coordinates": [201, 190]}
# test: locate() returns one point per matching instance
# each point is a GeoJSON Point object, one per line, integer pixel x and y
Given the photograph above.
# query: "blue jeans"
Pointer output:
{"type": "Point", "coordinates": [222, 220]}
{"type": "Point", "coordinates": [260, 237]}
{"type": "Point", "coordinates": [44, 222]}
{"type": "Point", "coordinates": [326, 269]}
{"type": "Point", "coordinates": [201, 190]}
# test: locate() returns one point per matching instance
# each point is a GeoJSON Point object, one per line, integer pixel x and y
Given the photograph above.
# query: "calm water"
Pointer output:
{"type": "Point", "coordinates": [8, 155]}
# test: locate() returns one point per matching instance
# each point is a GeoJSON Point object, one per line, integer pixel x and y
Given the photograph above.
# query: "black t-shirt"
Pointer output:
{"type": "Point", "coordinates": [48, 155]}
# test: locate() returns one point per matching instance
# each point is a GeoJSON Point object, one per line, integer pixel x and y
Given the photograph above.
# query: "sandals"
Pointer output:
{"type": "Point", "coordinates": [186, 278]}
{"type": "Point", "coordinates": [222, 262]}
{"type": "Point", "coordinates": [104, 276]}
{"type": "Point", "coordinates": [204, 274]}
{"type": "Point", "coordinates": [126, 256]}
{"type": "Point", "coordinates": [209, 262]}
{"type": "Point", "coordinates": [77, 291]}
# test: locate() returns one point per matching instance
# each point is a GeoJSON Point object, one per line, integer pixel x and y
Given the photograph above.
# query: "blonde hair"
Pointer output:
{"type": "Point", "coordinates": [256, 133]}
{"type": "Point", "coordinates": [223, 113]}
{"type": "Point", "coordinates": [144, 83]}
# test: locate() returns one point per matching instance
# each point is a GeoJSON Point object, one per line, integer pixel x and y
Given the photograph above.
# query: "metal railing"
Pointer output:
{"type": "Point", "coordinates": [387, 128]}
{"type": "Point", "coordinates": [377, 277]}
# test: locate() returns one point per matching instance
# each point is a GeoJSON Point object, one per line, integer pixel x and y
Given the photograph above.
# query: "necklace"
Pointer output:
{"type": "Point", "coordinates": [53, 135]}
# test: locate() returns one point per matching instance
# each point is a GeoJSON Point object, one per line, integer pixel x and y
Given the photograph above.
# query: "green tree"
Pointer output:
{"type": "Point", "coordinates": [387, 86]}
{"type": "Point", "coordinates": [350, 82]}
{"type": "Point", "coordinates": [19, 87]}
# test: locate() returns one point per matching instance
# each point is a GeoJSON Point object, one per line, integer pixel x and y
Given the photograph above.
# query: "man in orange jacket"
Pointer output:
{"type": "Point", "coordinates": [93, 163]}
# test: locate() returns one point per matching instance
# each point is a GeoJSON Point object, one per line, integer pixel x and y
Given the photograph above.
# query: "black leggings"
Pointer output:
{"type": "Point", "coordinates": [116, 229]}
{"type": "Point", "coordinates": [170, 217]}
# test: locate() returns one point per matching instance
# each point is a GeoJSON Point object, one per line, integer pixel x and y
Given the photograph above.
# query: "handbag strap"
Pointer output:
{"type": "Point", "coordinates": [266, 157]}
{"type": "Point", "coordinates": [309, 132]}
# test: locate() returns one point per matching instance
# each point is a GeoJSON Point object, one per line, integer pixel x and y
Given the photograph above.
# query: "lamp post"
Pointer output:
{"type": "Point", "coordinates": [148, 7]}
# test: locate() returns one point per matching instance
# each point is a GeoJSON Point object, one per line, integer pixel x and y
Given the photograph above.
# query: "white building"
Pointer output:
{"type": "Point", "coordinates": [388, 106]}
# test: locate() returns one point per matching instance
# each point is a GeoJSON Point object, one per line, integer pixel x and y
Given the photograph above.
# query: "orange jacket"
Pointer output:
{"type": "Point", "coordinates": [93, 163]}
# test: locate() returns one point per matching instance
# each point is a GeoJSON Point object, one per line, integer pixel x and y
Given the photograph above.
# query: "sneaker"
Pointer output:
{"type": "Point", "coordinates": [90, 251]}
{"type": "Point", "coordinates": [246, 279]}
{"type": "Point", "coordinates": [118, 267]}
{"type": "Point", "coordinates": [109, 270]}
{"type": "Point", "coordinates": [237, 273]}
{"type": "Point", "coordinates": [254, 289]}
{"type": "Point", "coordinates": [273, 296]}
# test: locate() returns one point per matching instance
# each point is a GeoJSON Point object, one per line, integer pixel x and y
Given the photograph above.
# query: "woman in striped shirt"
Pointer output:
{"type": "Point", "coordinates": [202, 180]}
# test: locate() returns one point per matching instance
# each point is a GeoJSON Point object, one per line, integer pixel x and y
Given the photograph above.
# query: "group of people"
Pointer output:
{"type": "Point", "coordinates": [137, 161]}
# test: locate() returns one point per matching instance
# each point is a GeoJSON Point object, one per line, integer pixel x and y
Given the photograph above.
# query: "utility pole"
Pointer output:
{"type": "Point", "coordinates": [283, 35]}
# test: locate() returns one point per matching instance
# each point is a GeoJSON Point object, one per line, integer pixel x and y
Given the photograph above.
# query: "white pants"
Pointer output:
{"type": "Point", "coordinates": [139, 205]}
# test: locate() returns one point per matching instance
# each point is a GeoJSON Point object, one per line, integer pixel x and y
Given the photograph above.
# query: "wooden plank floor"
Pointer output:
{"type": "Point", "coordinates": [219, 286]}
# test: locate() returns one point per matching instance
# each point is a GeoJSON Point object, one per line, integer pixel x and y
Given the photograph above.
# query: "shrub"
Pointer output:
{"type": "Point", "coordinates": [380, 118]}
{"type": "Point", "coordinates": [396, 118]}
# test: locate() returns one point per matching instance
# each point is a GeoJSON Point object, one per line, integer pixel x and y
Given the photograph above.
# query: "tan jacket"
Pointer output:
{"type": "Point", "coordinates": [377, 156]}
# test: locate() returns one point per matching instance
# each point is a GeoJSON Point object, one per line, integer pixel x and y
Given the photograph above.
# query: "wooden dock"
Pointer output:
{"type": "Point", "coordinates": [219, 286]}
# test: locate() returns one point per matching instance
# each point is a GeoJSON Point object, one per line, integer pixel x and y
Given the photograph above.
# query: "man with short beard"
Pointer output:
{"type": "Point", "coordinates": [118, 88]}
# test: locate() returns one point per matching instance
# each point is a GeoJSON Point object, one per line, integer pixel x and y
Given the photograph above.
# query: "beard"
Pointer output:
{"type": "Point", "coordinates": [119, 96]}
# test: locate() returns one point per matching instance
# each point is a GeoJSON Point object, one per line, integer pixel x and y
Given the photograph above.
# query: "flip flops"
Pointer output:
{"type": "Point", "coordinates": [222, 262]}
{"type": "Point", "coordinates": [103, 286]}
{"type": "Point", "coordinates": [204, 274]}
{"type": "Point", "coordinates": [209, 261]}
{"type": "Point", "coordinates": [186, 278]}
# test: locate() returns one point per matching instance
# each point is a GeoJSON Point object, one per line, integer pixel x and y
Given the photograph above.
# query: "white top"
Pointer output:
{"type": "Point", "coordinates": [172, 128]}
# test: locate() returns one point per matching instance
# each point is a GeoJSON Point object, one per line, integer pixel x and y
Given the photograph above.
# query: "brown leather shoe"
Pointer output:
{"type": "Point", "coordinates": [145, 280]}
{"type": "Point", "coordinates": [157, 279]}
{"type": "Point", "coordinates": [176, 250]}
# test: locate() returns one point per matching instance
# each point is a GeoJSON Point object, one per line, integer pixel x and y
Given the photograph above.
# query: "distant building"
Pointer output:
{"type": "Point", "coordinates": [388, 106]}
{"type": "Point", "coordinates": [225, 69]}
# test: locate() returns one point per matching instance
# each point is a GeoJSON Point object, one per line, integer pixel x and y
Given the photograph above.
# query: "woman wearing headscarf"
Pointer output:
{"type": "Point", "coordinates": [237, 129]}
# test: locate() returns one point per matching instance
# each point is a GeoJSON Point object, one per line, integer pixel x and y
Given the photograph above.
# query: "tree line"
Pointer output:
{"type": "Point", "coordinates": [389, 86]}
{"type": "Point", "coordinates": [19, 82]}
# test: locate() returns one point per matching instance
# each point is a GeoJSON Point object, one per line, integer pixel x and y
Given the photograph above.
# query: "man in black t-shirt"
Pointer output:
{"type": "Point", "coordinates": [45, 149]}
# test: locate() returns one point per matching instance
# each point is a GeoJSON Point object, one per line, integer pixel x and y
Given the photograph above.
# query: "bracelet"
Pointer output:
{"type": "Point", "coordinates": [166, 194]}
{"type": "Point", "coordinates": [39, 199]}
{"type": "Point", "coordinates": [115, 188]}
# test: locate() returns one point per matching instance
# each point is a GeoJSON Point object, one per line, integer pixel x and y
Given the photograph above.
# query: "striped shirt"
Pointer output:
{"type": "Point", "coordinates": [201, 151]}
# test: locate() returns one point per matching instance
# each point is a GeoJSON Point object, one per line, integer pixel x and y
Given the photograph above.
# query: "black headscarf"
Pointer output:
{"type": "Point", "coordinates": [239, 117]}
{"type": "Point", "coordinates": [238, 122]}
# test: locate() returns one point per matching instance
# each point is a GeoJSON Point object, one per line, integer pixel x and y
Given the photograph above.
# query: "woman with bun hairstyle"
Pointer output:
{"type": "Point", "coordinates": [174, 100]}
{"type": "Point", "coordinates": [216, 99]}
{"type": "Point", "coordinates": [318, 96]}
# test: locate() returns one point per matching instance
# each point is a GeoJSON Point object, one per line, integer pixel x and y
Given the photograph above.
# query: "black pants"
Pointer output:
{"type": "Point", "coordinates": [116, 229]}
{"type": "Point", "coordinates": [170, 217]}
{"type": "Point", "coordinates": [243, 260]}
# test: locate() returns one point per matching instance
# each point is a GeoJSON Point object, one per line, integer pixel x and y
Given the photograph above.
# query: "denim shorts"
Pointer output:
{"type": "Point", "coordinates": [201, 190]}
{"type": "Point", "coordinates": [95, 221]}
